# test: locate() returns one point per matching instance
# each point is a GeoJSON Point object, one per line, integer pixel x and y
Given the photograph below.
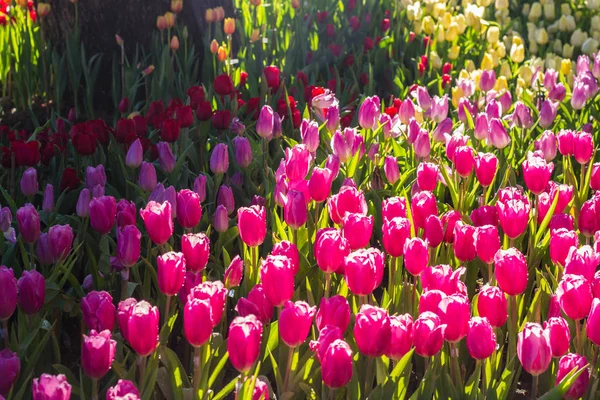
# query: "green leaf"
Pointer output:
{"type": "Point", "coordinates": [472, 385]}
{"type": "Point", "coordinates": [559, 391]}
{"type": "Point", "coordinates": [179, 378]}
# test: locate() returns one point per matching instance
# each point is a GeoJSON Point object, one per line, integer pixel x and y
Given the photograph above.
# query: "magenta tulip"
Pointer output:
{"type": "Point", "coordinates": [196, 249]}
{"type": "Point", "coordinates": [330, 249]}
{"type": "Point", "coordinates": [295, 211]}
{"type": "Point", "coordinates": [215, 293]}
{"type": "Point", "coordinates": [592, 327]}
{"type": "Point", "coordinates": [124, 389]}
{"type": "Point", "coordinates": [401, 336]}
{"type": "Point", "coordinates": [357, 229]}
{"type": "Point", "coordinates": [511, 271]}
{"type": "Point", "coordinates": [372, 330]}
{"type": "Point", "coordinates": [171, 272]}
{"type": "Point", "coordinates": [97, 353]}
{"type": "Point", "coordinates": [455, 312]}
{"type": "Point", "coordinates": [396, 232]}
{"type": "Point", "coordinates": [128, 245]}
{"type": "Point", "coordinates": [574, 296]}
{"type": "Point", "coordinates": [289, 250]}
{"type": "Point", "coordinates": [295, 321]}
{"type": "Point", "coordinates": [533, 349]}
{"type": "Point", "coordinates": [51, 387]}
{"type": "Point", "coordinates": [333, 311]}
{"type": "Point", "coordinates": [561, 243]}
{"type": "Point", "coordinates": [10, 366]}
{"type": "Point", "coordinates": [568, 363]}
{"type": "Point", "coordinates": [416, 255]}
{"type": "Point", "coordinates": [393, 207]}
{"type": "Point", "coordinates": [348, 200]}
{"type": "Point", "coordinates": [364, 270]}
{"type": "Point", "coordinates": [443, 278]}
{"type": "Point", "coordinates": [491, 304]}
{"type": "Point", "coordinates": [427, 176]}
{"type": "Point", "coordinates": [582, 261]}
{"type": "Point", "coordinates": [277, 278]}
{"type": "Point", "coordinates": [428, 334]}
{"type": "Point", "coordinates": [189, 210]}
{"type": "Point", "coordinates": [147, 178]}
{"type": "Point", "coordinates": [32, 291]}
{"type": "Point", "coordinates": [195, 314]}
{"type": "Point", "coordinates": [252, 225]}
{"type": "Point", "coordinates": [243, 343]}
{"type": "Point", "coordinates": [464, 242]}
{"type": "Point", "coordinates": [28, 221]}
{"type": "Point", "coordinates": [537, 173]}
{"type": "Point", "coordinates": [142, 327]}
{"type": "Point", "coordinates": [487, 242]}
{"type": "Point", "coordinates": [514, 216]}
{"type": "Point", "coordinates": [8, 293]}
{"type": "Point", "coordinates": [158, 221]}
{"type": "Point", "coordinates": [99, 312]}
{"type": "Point", "coordinates": [103, 212]}
{"type": "Point", "coordinates": [481, 339]}
{"type": "Point", "coordinates": [336, 364]}
{"type": "Point", "coordinates": [559, 335]}
{"type": "Point", "coordinates": [233, 273]}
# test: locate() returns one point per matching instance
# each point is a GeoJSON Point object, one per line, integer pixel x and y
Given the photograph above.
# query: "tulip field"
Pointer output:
{"type": "Point", "coordinates": [361, 199]}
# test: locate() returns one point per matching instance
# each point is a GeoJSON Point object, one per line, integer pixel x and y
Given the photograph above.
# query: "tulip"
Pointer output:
{"type": "Point", "coordinates": [439, 108]}
{"type": "Point", "coordinates": [126, 213]}
{"type": "Point", "coordinates": [401, 336]}
{"type": "Point", "coordinates": [233, 273]}
{"type": "Point", "coordinates": [319, 184]}
{"type": "Point", "coordinates": [256, 304]}
{"type": "Point", "coordinates": [158, 221]}
{"type": "Point", "coordinates": [200, 187]}
{"type": "Point", "coordinates": [559, 336]}
{"type": "Point", "coordinates": [215, 292]}
{"type": "Point", "coordinates": [393, 207]}
{"type": "Point", "coordinates": [568, 363]}
{"type": "Point", "coordinates": [289, 250]}
{"type": "Point", "coordinates": [142, 327]}
{"type": "Point", "coordinates": [189, 210]}
{"type": "Point", "coordinates": [243, 151]}
{"type": "Point", "coordinates": [219, 159]}
{"type": "Point", "coordinates": [574, 296]}
{"type": "Point", "coordinates": [196, 249]}
{"type": "Point", "coordinates": [368, 114]}
{"type": "Point", "coordinates": [481, 130]}
{"type": "Point", "coordinates": [135, 154]}
{"type": "Point", "coordinates": [103, 212]}
{"type": "Point", "coordinates": [593, 322]}
{"type": "Point", "coordinates": [522, 116]}
{"type": "Point", "coordinates": [277, 277]}
{"type": "Point", "coordinates": [486, 165]}
{"type": "Point", "coordinates": [29, 182]}
{"type": "Point", "coordinates": [464, 242]}
{"type": "Point", "coordinates": [406, 111]}
{"type": "Point", "coordinates": [423, 205]}
{"type": "Point", "coordinates": [464, 161]}
{"type": "Point", "coordinates": [8, 293]}
{"type": "Point", "coordinates": [195, 314]}
{"type": "Point", "coordinates": [443, 278]}
{"type": "Point", "coordinates": [221, 219]}
{"type": "Point", "coordinates": [498, 135]}
{"type": "Point", "coordinates": [427, 175]}
{"type": "Point", "coordinates": [252, 225]}
{"type": "Point", "coordinates": [548, 113]}
{"type": "Point", "coordinates": [97, 353]}
{"type": "Point", "coordinates": [348, 200]}
{"type": "Point", "coordinates": [48, 200]}
{"type": "Point", "coordinates": [416, 255]}
{"type": "Point", "coordinates": [390, 167]}
{"type": "Point", "coordinates": [487, 243]}
{"type": "Point", "coordinates": [166, 159]}
{"type": "Point", "coordinates": [99, 312]}
{"type": "Point", "coordinates": [95, 176]}
{"type": "Point", "coordinates": [587, 222]}
{"type": "Point", "coordinates": [225, 197]}
{"type": "Point", "coordinates": [533, 349]}
{"type": "Point", "coordinates": [582, 261]}
{"type": "Point", "coordinates": [454, 312]}
{"type": "Point", "coordinates": [583, 147]}
{"type": "Point", "coordinates": [124, 389]}
{"type": "Point", "coordinates": [171, 272]}
{"type": "Point", "coordinates": [147, 179]}
{"type": "Point", "coordinates": [372, 330]}
{"type": "Point", "coordinates": [537, 173]}
{"type": "Point", "coordinates": [511, 271]}
{"type": "Point", "coordinates": [309, 132]}
{"type": "Point", "coordinates": [243, 343]}
{"type": "Point", "coordinates": [547, 145]}
{"type": "Point", "coordinates": [9, 370]}
{"type": "Point", "coordinates": [428, 334]}
{"type": "Point", "coordinates": [566, 140]}
{"type": "Point", "coordinates": [28, 221]}
{"type": "Point", "coordinates": [357, 230]}
{"type": "Point", "coordinates": [128, 245]}
{"type": "Point", "coordinates": [422, 145]}
{"type": "Point", "coordinates": [513, 216]}
{"type": "Point", "coordinates": [297, 162]}
{"type": "Point", "coordinates": [330, 249]}
{"type": "Point", "coordinates": [491, 304]}
{"type": "Point", "coordinates": [295, 212]}
{"type": "Point", "coordinates": [32, 291]}
{"type": "Point", "coordinates": [295, 321]}
{"type": "Point", "coordinates": [265, 122]}
{"type": "Point", "coordinates": [333, 311]}
{"type": "Point", "coordinates": [561, 243]}
{"type": "Point", "coordinates": [433, 231]}
{"type": "Point", "coordinates": [336, 364]}
{"type": "Point", "coordinates": [51, 387]}
{"type": "Point", "coordinates": [364, 270]}
{"type": "Point", "coordinates": [481, 339]}
{"type": "Point", "coordinates": [60, 240]}
{"type": "Point", "coordinates": [83, 203]}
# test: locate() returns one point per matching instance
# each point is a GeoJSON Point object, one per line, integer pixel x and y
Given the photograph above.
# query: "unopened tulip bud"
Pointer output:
{"type": "Point", "coordinates": [174, 43]}
{"type": "Point", "coordinates": [214, 46]}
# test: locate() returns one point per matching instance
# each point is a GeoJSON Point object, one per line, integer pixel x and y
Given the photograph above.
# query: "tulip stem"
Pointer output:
{"type": "Point", "coordinates": [288, 370]}
{"type": "Point", "coordinates": [490, 273]}
{"type": "Point", "coordinates": [369, 376]}
{"type": "Point", "coordinates": [197, 370]}
{"type": "Point", "coordinates": [94, 389]}
{"type": "Point", "coordinates": [5, 333]}
{"type": "Point", "coordinates": [534, 387]}
{"type": "Point", "coordinates": [578, 337]}
{"type": "Point", "coordinates": [327, 284]}
{"type": "Point", "coordinates": [32, 256]}
{"type": "Point", "coordinates": [483, 382]}
{"type": "Point", "coordinates": [142, 364]}
{"type": "Point", "coordinates": [167, 308]}
{"type": "Point", "coordinates": [512, 334]}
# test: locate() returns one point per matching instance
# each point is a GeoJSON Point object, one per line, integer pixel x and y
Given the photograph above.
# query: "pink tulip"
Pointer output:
{"type": "Point", "coordinates": [128, 245]}
{"type": "Point", "coordinates": [295, 211]}
{"type": "Point", "coordinates": [219, 159]}
{"type": "Point", "coordinates": [391, 169]}
{"type": "Point", "coordinates": [32, 291]}
{"type": "Point", "coordinates": [427, 175]}
{"type": "Point", "coordinates": [295, 321]}
{"type": "Point", "coordinates": [455, 313]}
{"type": "Point", "coordinates": [97, 353]}
{"type": "Point", "coordinates": [547, 145]}
{"type": "Point", "coordinates": [158, 221]}
{"type": "Point", "coordinates": [533, 349]}
{"type": "Point", "coordinates": [309, 132]}
{"type": "Point", "coordinates": [99, 312]}
{"type": "Point", "coordinates": [277, 278]}
{"type": "Point", "coordinates": [498, 134]}
{"type": "Point", "coordinates": [29, 182]}
{"type": "Point", "coordinates": [416, 255]}
{"type": "Point", "coordinates": [364, 271]}
{"type": "Point", "coordinates": [233, 273]}
{"type": "Point", "coordinates": [433, 231]}
{"type": "Point", "coordinates": [559, 335]}
{"type": "Point", "coordinates": [464, 161]}
{"type": "Point", "coordinates": [8, 290]}
{"type": "Point", "coordinates": [195, 314]}
{"type": "Point", "coordinates": [333, 311]}
{"type": "Point", "coordinates": [357, 229]}
{"type": "Point", "coordinates": [401, 337]}
{"type": "Point", "coordinates": [537, 173]}
{"type": "Point", "coordinates": [225, 198]}
{"type": "Point", "coordinates": [511, 271]}
{"type": "Point", "coordinates": [147, 178]}
{"type": "Point", "coordinates": [484, 215]}
{"type": "Point", "coordinates": [336, 364]}
{"type": "Point", "coordinates": [124, 389]}
{"type": "Point", "coordinates": [368, 113]}
{"type": "Point", "coordinates": [487, 242]}
{"type": "Point", "coordinates": [443, 278]}
{"type": "Point", "coordinates": [348, 200]}
{"type": "Point", "coordinates": [464, 242]}
{"type": "Point", "coordinates": [428, 334]}
{"type": "Point", "coordinates": [481, 339]}
{"type": "Point", "coordinates": [330, 249]}
{"type": "Point", "coordinates": [592, 325]}
{"type": "Point", "coordinates": [568, 363]}
{"type": "Point", "coordinates": [582, 261]}
{"type": "Point", "coordinates": [142, 327]}
{"type": "Point", "coordinates": [423, 205]}
{"type": "Point", "coordinates": [221, 219]}
{"type": "Point", "coordinates": [28, 221]}
{"type": "Point", "coordinates": [487, 80]}
{"type": "Point", "coordinates": [372, 330]}
{"type": "Point", "coordinates": [430, 301]}
{"type": "Point", "coordinates": [51, 387]}
{"type": "Point", "coordinates": [189, 210]}
{"type": "Point", "coordinates": [135, 154]}
{"type": "Point", "coordinates": [514, 216]}
{"type": "Point", "coordinates": [196, 249]}
{"type": "Point", "coordinates": [252, 224]}
{"type": "Point", "coordinates": [319, 184]}
{"type": "Point", "coordinates": [449, 220]}
{"type": "Point", "coordinates": [491, 304]}
{"type": "Point", "coordinates": [297, 162]}
{"type": "Point", "coordinates": [393, 207]}
{"type": "Point", "coordinates": [583, 147]}
{"type": "Point", "coordinates": [171, 272]}
{"type": "Point", "coordinates": [243, 343]}
{"type": "Point", "coordinates": [574, 296]}
{"type": "Point", "coordinates": [561, 243]}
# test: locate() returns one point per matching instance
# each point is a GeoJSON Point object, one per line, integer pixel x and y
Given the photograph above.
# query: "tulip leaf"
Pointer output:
{"type": "Point", "coordinates": [472, 385]}
{"type": "Point", "coordinates": [546, 221]}
{"type": "Point", "coordinates": [217, 370]}
{"type": "Point", "coordinates": [177, 374]}
{"type": "Point", "coordinates": [151, 375]}
{"type": "Point", "coordinates": [353, 164]}
{"type": "Point", "coordinates": [227, 389]}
